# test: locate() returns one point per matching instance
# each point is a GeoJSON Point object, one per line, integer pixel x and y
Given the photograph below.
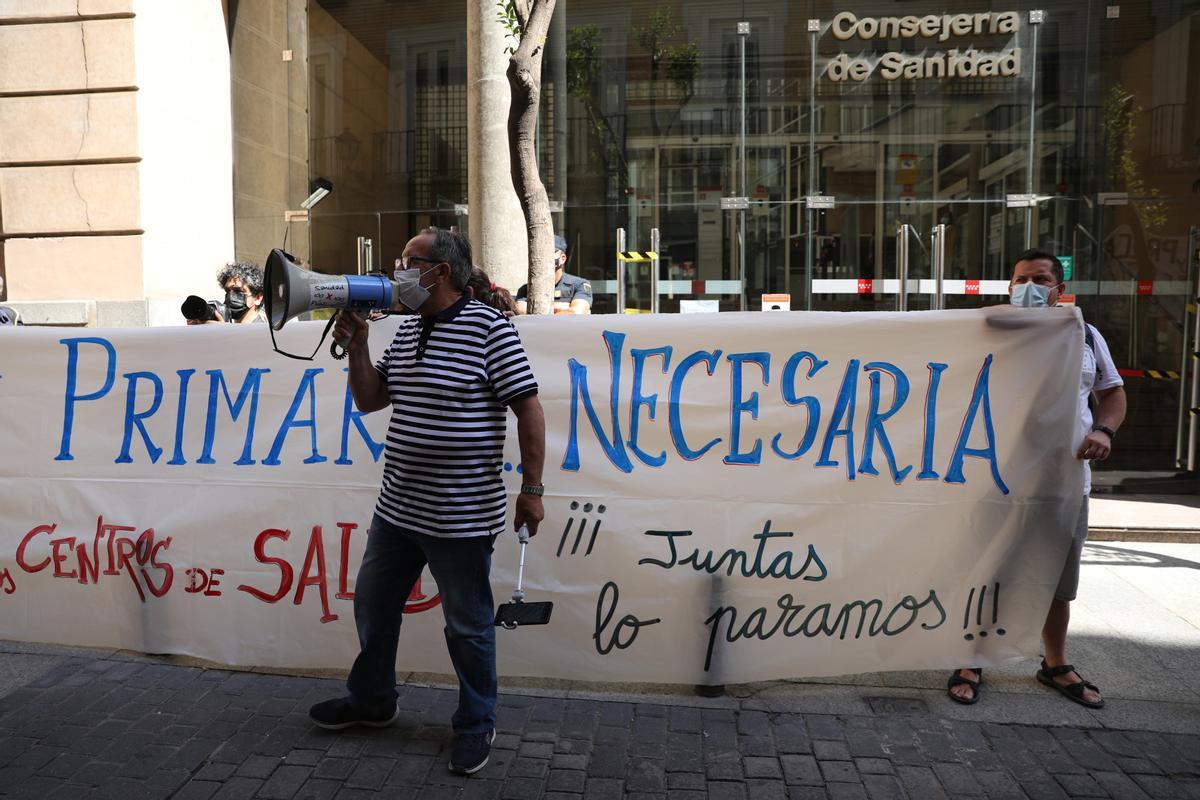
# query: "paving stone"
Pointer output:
{"type": "Point", "coordinates": [1137, 766]}
{"type": "Point", "coordinates": [481, 789]}
{"type": "Point", "coordinates": [643, 775]}
{"type": "Point", "coordinates": [874, 766]}
{"type": "Point", "coordinates": [1120, 786]}
{"type": "Point", "coordinates": [655, 749]}
{"type": "Point", "coordinates": [792, 737]}
{"type": "Point", "coordinates": [753, 723]}
{"type": "Point", "coordinates": [1156, 786]}
{"type": "Point", "coordinates": [723, 766]}
{"type": "Point", "coordinates": [864, 744]}
{"type": "Point", "coordinates": [410, 770]}
{"type": "Point", "coordinates": [337, 769]}
{"type": "Point", "coordinates": [215, 771]}
{"type": "Point", "coordinates": [831, 751]}
{"type": "Point", "coordinates": [760, 767]}
{"type": "Point", "coordinates": [318, 789]}
{"type": "Point", "coordinates": [258, 767]}
{"type": "Point", "coordinates": [64, 765]}
{"type": "Point", "coordinates": [999, 784]}
{"type": "Point", "coordinates": [197, 790]}
{"type": "Point", "coordinates": [957, 780]}
{"type": "Point", "coordinates": [619, 714]}
{"type": "Point", "coordinates": [756, 746]}
{"type": "Point", "coordinates": [304, 758]}
{"type": "Point", "coordinates": [884, 787]}
{"type": "Point", "coordinates": [607, 762]}
{"type": "Point", "coordinates": [521, 788]}
{"type": "Point", "coordinates": [685, 780]}
{"type": "Point", "coordinates": [529, 768]}
{"type": "Point", "coordinates": [684, 720]}
{"type": "Point", "coordinates": [370, 773]}
{"type": "Point", "coordinates": [807, 793]}
{"type": "Point", "coordinates": [566, 780]}
{"type": "Point", "coordinates": [846, 791]}
{"type": "Point", "coordinates": [920, 782]}
{"type": "Point", "coordinates": [284, 783]}
{"type": "Point", "coordinates": [1041, 786]}
{"type": "Point", "coordinates": [238, 789]}
{"type": "Point", "coordinates": [604, 789]}
{"type": "Point", "coordinates": [650, 728]}
{"type": "Point", "coordinates": [821, 726]}
{"type": "Point", "coordinates": [801, 769]}
{"type": "Point", "coordinates": [726, 791]}
{"type": "Point", "coordinates": [1080, 786]}
{"type": "Point", "coordinates": [839, 771]}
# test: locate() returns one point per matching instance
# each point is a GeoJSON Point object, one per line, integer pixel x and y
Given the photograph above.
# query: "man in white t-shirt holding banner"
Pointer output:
{"type": "Point", "coordinates": [1037, 282]}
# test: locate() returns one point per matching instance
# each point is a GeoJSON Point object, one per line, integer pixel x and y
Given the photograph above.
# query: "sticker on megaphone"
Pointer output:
{"type": "Point", "coordinates": [292, 290]}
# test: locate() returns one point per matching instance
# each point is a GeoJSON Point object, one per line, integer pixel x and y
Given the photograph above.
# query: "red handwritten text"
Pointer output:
{"type": "Point", "coordinates": [315, 572]}
{"type": "Point", "coordinates": [203, 581]}
{"type": "Point", "coordinates": [114, 548]}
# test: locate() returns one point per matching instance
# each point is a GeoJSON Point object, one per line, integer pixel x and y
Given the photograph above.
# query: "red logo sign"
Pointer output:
{"type": "Point", "coordinates": [864, 285]}
{"type": "Point", "coordinates": [1145, 287]}
{"type": "Point", "coordinates": [972, 287]}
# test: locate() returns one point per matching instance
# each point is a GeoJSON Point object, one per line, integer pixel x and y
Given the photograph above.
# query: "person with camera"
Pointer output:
{"type": "Point", "coordinates": [451, 374]}
{"type": "Point", "coordinates": [242, 282]}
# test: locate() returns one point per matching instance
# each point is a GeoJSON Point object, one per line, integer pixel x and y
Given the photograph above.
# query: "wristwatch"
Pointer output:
{"type": "Point", "coordinates": [529, 488]}
{"type": "Point", "coordinates": [1105, 429]}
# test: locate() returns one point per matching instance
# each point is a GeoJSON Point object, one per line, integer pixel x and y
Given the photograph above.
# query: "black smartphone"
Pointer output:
{"type": "Point", "coordinates": [513, 615]}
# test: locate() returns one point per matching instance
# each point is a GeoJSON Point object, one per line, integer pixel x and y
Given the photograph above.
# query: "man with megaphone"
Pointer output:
{"type": "Point", "coordinates": [450, 374]}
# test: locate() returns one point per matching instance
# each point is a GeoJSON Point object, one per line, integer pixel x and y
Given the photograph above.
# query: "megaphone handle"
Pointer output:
{"type": "Point", "coordinates": [523, 538]}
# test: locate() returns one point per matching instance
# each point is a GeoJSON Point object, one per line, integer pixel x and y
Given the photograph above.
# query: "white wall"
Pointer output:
{"type": "Point", "coordinates": [186, 143]}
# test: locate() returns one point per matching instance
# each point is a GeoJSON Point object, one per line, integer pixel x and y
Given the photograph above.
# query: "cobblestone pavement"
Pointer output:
{"type": "Point", "coordinates": [104, 726]}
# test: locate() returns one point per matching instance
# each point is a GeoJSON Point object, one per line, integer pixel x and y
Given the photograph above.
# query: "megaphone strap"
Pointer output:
{"type": "Point", "coordinates": [334, 347]}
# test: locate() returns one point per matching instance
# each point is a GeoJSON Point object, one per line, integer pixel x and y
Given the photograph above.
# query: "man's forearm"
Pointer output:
{"type": "Point", "coordinates": [1110, 408]}
{"type": "Point", "coordinates": [531, 437]}
{"type": "Point", "coordinates": [367, 387]}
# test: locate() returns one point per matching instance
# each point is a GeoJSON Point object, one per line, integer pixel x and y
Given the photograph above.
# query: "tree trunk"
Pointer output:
{"type": "Point", "coordinates": [525, 79]}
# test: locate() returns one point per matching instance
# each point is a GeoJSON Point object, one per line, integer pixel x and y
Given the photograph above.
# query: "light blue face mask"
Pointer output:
{"type": "Point", "coordinates": [1030, 295]}
{"type": "Point", "coordinates": [411, 293]}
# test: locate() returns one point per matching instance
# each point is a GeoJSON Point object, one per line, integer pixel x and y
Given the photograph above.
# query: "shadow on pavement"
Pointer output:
{"type": "Point", "coordinates": [1105, 555]}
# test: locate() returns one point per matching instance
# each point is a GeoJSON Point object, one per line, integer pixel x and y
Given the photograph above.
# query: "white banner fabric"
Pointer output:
{"type": "Point", "coordinates": [729, 498]}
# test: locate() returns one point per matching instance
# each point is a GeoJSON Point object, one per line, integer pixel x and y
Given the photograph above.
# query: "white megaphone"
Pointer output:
{"type": "Point", "coordinates": [291, 290]}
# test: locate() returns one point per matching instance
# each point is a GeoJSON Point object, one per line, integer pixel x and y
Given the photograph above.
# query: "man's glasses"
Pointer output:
{"type": "Point", "coordinates": [406, 261]}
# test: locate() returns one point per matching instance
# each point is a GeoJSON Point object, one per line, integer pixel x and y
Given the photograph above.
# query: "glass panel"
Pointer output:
{"type": "Point", "coordinates": [641, 129]}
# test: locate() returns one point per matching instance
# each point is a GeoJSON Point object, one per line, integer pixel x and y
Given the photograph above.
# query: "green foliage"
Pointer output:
{"type": "Point", "coordinates": [680, 61]}
{"type": "Point", "coordinates": [1120, 127]}
{"type": "Point", "coordinates": [583, 61]}
{"type": "Point", "coordinates": [683, 65]}
{"type": "Point", "coordinates": [507, 14]}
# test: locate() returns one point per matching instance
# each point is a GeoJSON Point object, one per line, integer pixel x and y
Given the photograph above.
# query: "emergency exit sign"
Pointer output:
{"type": "Point", "coordinates": [1068, 266]}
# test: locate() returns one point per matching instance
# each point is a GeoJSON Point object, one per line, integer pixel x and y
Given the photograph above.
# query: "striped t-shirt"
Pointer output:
{"type": "Point", "coordinates": [451, 378]}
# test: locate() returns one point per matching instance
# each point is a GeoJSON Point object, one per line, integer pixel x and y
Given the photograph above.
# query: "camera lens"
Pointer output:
{"type": "Point", "coordinates": [196, 308]}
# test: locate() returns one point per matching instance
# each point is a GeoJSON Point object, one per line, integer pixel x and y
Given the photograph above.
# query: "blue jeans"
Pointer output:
{"type": "Point", "coordinates": [391, 565]}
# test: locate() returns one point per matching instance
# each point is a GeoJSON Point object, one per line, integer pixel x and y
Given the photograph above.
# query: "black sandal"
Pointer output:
{"type": "Point", "coordinates": [1074, 691]}
{"type": "Point", "coordinates": [959, 680]}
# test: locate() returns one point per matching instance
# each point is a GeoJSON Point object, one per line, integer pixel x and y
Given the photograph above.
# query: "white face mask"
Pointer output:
{"type": "Point", "coordinates": [1030, 295]}
{"type": "Point", "coordinates": [411, 293]}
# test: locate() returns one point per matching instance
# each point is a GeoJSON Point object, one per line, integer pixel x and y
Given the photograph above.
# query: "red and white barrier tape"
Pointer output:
{"type": "Point", "coordinates": [1125, 288]}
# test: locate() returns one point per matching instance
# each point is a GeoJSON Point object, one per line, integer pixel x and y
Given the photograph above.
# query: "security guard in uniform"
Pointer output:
{"type": "Point", "coordinates": [572, 294]}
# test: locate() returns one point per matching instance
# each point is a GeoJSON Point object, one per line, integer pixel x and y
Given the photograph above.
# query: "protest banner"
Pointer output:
{"type": "Point", "coordinates": [729, 498]}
